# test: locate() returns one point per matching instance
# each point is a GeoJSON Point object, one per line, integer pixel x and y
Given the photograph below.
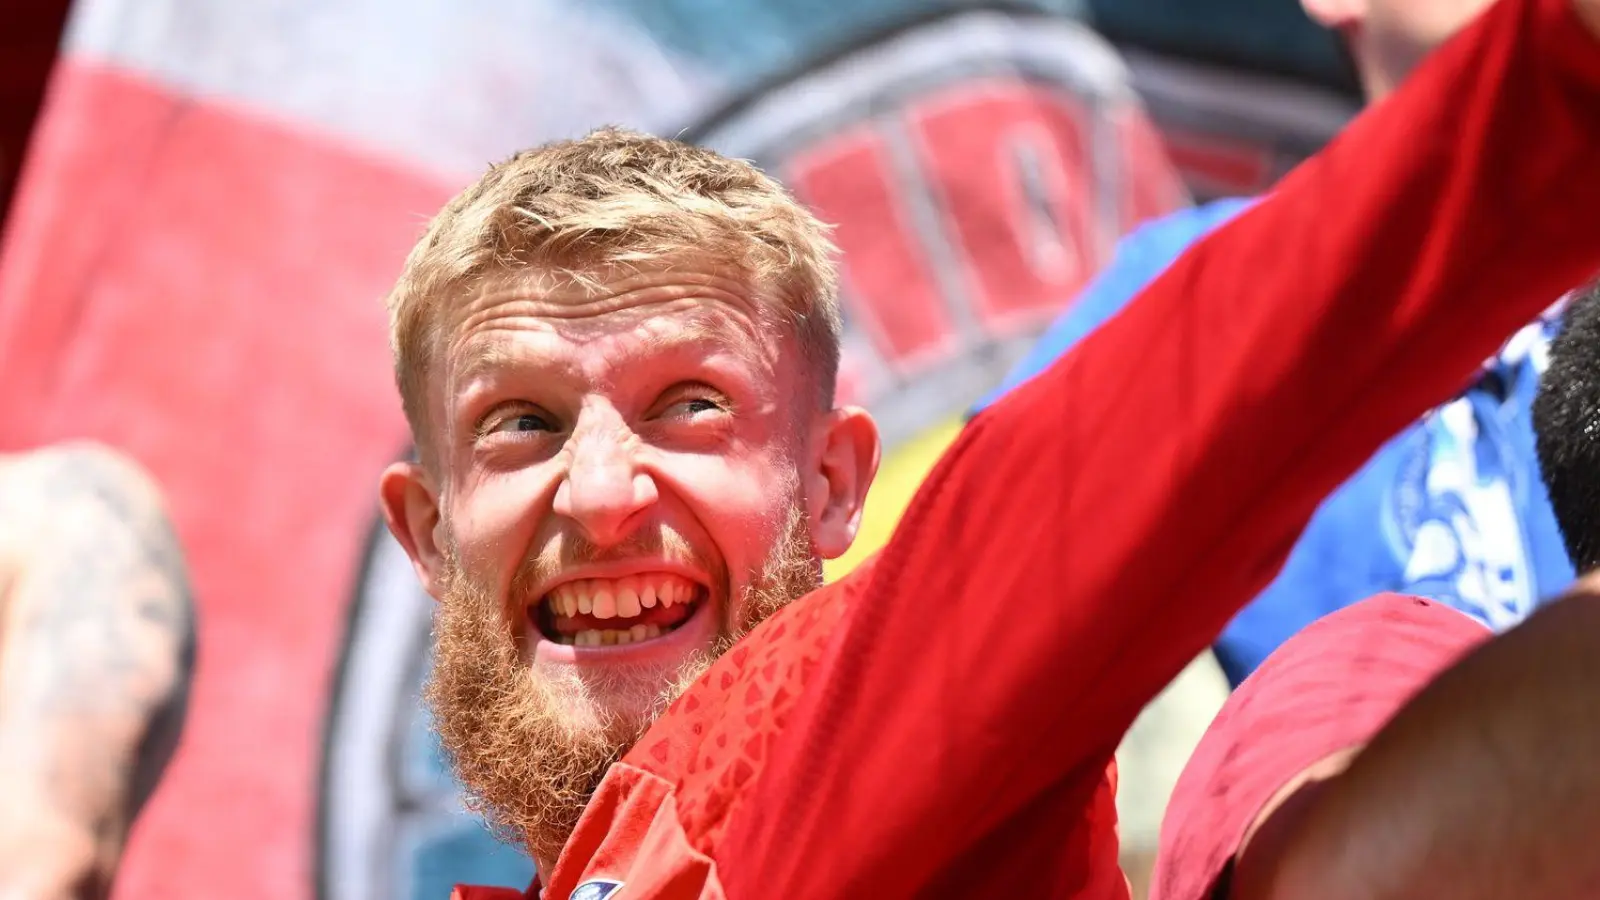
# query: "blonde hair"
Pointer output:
{"type": "Point", "coordinates": [616, 197]}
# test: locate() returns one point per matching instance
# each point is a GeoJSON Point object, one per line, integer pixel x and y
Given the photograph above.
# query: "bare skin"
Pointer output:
{"type": "Point", "coordinates": [1483, 787]}
{"type": "Point", "coordinates": [96, 654]}
{"type": "Point", "coordinates": [1388, 38]}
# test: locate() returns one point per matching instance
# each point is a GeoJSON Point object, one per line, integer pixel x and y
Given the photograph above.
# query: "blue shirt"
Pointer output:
{"type": "Point", "coordinates": [1452, 508]}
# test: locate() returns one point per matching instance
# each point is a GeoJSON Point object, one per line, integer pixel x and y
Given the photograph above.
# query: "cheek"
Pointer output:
{"type": "Point", "coordinates": [742, 501]}
{"type": "Point", "coordinates": [493, 518]}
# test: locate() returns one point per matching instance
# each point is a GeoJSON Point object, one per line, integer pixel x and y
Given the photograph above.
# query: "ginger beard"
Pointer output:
{"type": "Point", "coordinates": [530, 748]}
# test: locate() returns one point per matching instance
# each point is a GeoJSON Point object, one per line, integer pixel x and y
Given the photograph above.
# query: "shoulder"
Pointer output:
{"type": "Point", "coordinates": [763, 672]}
{"type": "Point", "coordinates": [711, 742]}
{"type": "Point", "coordinates": [78, 468]}
{"type": "Point", "coordinates": [1327, 690]}
{"type": "Point", "coordinates": [64, 501]}
{"type": "Point", "coordinates": [659, 814]}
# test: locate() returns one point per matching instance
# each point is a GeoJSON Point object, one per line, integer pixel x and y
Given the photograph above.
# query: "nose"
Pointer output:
{"type": "Point", "coordinates": [604, 489]}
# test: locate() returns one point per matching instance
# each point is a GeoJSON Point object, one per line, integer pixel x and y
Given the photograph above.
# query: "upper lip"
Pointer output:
{"type": "Point", "coordinates": [620, 569]}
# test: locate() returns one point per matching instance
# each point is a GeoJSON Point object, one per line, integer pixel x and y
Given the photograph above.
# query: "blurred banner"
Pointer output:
{"type": "Point", "coordinates": [218, 195]}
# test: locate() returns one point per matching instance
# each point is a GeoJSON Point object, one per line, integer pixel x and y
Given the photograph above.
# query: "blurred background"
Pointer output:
{"type": "Point", "coordinates": [204, 203]}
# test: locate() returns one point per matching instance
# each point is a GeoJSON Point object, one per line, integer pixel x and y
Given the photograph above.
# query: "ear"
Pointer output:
{"type": "Point", "coordinates": [846, 452]}
{"type": "Point", "coordinates": [1335, 14]}
{"type": "Point", "coordinates": [411, 510]}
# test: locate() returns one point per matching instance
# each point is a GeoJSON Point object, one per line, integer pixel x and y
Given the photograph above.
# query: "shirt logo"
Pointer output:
{"type": "Point", "coordinates": [598, 889]}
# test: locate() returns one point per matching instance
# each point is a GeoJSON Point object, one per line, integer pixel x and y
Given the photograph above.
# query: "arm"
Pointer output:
{"type": "Point", "coordinates": [1484, 786]}
{"type": "Point", "coordinates": [1086, 537]}
{"type": "Point", "coordinates": [96, 652]}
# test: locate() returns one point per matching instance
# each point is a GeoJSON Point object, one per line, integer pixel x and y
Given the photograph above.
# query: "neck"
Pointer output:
{"type": "Point", "coordinates": [1373, 67]}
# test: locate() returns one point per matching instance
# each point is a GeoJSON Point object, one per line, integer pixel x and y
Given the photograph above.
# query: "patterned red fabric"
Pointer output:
{"type": "Point", "coordinates": [1327, 689]}
{"type": "Point", "coordinates": [479, 892]}
{"type": "Point", "coordinates": [719, 735]}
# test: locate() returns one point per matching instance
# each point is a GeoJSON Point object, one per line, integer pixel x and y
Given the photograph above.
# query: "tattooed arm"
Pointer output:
{"type": "Point", "coordinates": [96, 654]}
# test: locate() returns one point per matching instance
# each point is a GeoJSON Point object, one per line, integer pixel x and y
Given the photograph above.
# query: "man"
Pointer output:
{"type": "Point", "coordinates": [1451, 508]}
{"type": "Point", "coordinates": [633, 463]}
{"type": "Point", "coordinates": [1382, 753]}
{"type": "Point", "coordinates": [1482, 787]}
{"type": "Point", "coordinates": [605, 340]}
{"type": "Point", "coordinates": [96, 653]}
{"type": "Point", "coordinates": [1449, 763]}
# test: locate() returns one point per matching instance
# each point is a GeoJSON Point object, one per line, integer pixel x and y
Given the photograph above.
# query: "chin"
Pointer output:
{"type": "Point", "coordinates": [622, 689]}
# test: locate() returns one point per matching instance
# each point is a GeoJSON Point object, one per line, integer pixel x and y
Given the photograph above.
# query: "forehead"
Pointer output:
{"type": "Point", "coordinates": [609, 323]}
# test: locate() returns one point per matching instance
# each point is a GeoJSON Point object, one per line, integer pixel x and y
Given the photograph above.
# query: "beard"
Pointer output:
{"type": "Point", "coordinates": [531, 749]}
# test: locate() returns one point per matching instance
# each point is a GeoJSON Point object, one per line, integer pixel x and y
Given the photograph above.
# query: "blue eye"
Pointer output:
{"type": "Point", "coordinates": [529, 423]}
{"type": "Point", "coordinates": [524, 423]}
{"type": "Point", "coordinates": [701, 404]}
{"type": "Point", "coordinates": [695, 407]}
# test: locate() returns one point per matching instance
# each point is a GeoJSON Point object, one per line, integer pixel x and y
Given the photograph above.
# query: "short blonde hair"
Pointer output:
{"type": "Point", "coordinates": [616, 197]}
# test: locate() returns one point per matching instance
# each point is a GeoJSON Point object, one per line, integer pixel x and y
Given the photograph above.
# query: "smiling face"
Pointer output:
{"type": "Point", "coordinates": [620, 495]}
{"type": "Point", "coordinates": [617, 357]}
{"type": "Point", "coordinates": [621, 464]}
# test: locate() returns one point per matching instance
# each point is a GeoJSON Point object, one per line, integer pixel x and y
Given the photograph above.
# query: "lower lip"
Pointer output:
{"type": "Point", "coordinates": [696, 633]}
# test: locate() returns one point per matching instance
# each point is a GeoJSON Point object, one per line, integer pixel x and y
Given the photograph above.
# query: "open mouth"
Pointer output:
{"type": "Point", "coordinates": [598, 612]}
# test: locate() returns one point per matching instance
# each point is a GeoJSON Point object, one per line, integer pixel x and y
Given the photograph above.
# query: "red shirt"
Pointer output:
{"type": "Point", "coordinates": [1327, 689]}
{"type": "Point", "coordinates": [943, 721]}
{"type": "Point", "coordinates": [480, 892]}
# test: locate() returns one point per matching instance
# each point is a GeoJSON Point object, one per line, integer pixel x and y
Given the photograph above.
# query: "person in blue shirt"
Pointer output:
{"type": "Point", "coordinates": [1452, 508]}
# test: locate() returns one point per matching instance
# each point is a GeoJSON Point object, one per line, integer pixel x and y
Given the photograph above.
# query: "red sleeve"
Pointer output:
{"type": "Point", "coordinates": [1087, 536]}
{"type": "Point", "coordinates": [1327, 689]}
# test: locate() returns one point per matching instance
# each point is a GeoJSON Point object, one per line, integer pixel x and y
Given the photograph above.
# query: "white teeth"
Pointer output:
{"type": "Point", "coordinates": [639, 632]}
{"type": "Point", "coordinates": [619, 598]}
{"type": "Point", "coordinates": [563, 602]}
{"type": "Point", "coordinates": [652, 631]}
{"type": "Point", "coordinates": [623, 637]}
{"type": "Point", "coordinates": [627, 601]}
